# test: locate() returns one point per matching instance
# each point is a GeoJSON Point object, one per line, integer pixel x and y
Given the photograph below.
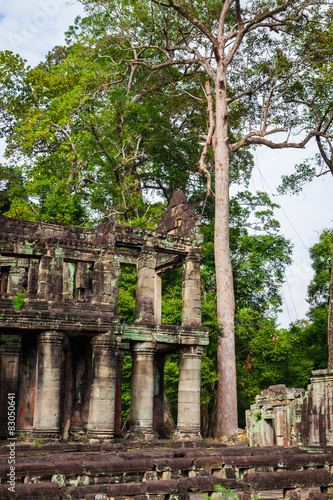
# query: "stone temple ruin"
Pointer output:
{"type": "Point", "coordinates": [62, 347]}
{"type": "Point", "coordinates": [288, 417]}
{"type": "Point", "coordinates": [62, 353]}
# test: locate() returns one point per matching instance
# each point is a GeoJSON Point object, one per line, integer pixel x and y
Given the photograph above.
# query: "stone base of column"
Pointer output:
{"type": "Point", "coordinates": [142, 434]}
{"type": "Point", "coordinates": [187, 435]}
{"type": "Point", "coordinates": [97, 435]}
{"type": "Point", "coordinates": [45, 434]}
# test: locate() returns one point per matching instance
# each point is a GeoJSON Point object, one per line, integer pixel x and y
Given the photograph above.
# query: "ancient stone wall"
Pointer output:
{"type": "Point", "coordinates": [288, 417]}
{"type": "Point", "coordinates": [63, 342]}
{"type": "Point", "coordinates": [168, 470]}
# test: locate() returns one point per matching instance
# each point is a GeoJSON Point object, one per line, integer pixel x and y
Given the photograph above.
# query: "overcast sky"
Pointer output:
{"type": "Point", "coordinates": [32, 28]}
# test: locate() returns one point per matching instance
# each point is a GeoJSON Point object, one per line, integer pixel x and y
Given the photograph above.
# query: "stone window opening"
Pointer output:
{"type": "Point", "coordinates": [83, 281]}
{"type": "Point", "coordinates": [77, 280]}
{"type": "Point", "coordinates": [69, 278]}
{"type": "Point", "coordinates": [127, 292]}
{"type": "Point", "coordinates": [171, 296]}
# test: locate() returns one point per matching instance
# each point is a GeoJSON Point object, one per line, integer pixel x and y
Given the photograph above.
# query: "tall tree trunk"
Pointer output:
{"type": "Point", "coordinates": [330, 325]}
{"type": "Point", "coordinates": [226, 418]}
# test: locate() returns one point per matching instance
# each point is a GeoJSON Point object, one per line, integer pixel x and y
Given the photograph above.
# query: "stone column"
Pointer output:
{"type": "Point", "coordinates": [10, 353]}
{"type": "Point", "coordinates": [159, 363]}
{"type": "Point", "coordinates": [115, 272]}
{"type": "Point", "coordinates": [192, 291]}
{"type": "Point", "coordinates": [145, 290]}
{"type": "Point", "coordinates": [320, 408]}
{"type": "Point", "coordinates": [188, 426]}
{"type": "Point", "coordinates": [46, 421]}
{"type": "Point", "coordinates": [103, 389]}
{"type": "Point", "coordinates": [119, 375]}
{"type": "Point", "coordinates": [142, 390]}
{"type": "Point", "coordinates": [158, 299]}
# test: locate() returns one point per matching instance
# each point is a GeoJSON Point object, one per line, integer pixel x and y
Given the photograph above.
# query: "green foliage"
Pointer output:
{"type": "Point", "coordinates": [321, 256]}
{"type": "Point", "coordinates": [127, 289]}
{"type": "Point", "coordinates": [224, 493]}
{"type": "Point", "coordinates": [267, 355]}
{"type": "Point", "coordinates": [18, 300]}
{"type": "Point", "coordinates": [172, 286]}
{"type": "Point", "coordinates": [126, 388]}
{"type": "Point", "coordinates": [11, 188]}
{"type": "Point", "coordinates": [171, 378]}
{"type": "Point", "coordinates": [294, 183]}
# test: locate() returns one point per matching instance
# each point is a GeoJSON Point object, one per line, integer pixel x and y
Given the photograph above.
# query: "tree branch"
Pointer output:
{"type": "Point", "coordinates": [225, 9]}
{"type": "Point", "coordinates": [259, 138]}
{"type": "Point", "coordinates": [202, 166]}
{"type": "Point", "coordinates": [193, 20]}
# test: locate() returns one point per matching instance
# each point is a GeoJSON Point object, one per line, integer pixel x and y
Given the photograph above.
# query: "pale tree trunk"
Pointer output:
{"type": "Point", "coordinates": [330, 326]}
{"type": "Point", "coordinates": [226, 418]}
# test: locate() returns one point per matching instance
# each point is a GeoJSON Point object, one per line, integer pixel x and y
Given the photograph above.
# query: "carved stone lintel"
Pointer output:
{"type": "Point", "coordinates": [190, 352]}
{"type": "Point", "coordinates": [51, 337]}
{"type": "Point", "coordinates": [145, 348]}
{"type": "Point", "coordinates": [13, 347]}
{"type": "Point", "coordinates": [103, 342]}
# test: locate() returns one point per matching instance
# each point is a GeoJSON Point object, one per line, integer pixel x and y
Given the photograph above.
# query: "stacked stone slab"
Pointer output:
{"type": "Point", "coordinates": [288, 417]}
{"type": "Point", "coordinates": [165, 470]}
{"type": "Point", "coordinates": [61, 353]}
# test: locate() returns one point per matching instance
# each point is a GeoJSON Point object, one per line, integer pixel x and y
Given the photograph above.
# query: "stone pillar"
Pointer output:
{"type": "Point", "coordinates": [188, 426]}
{"type": "Point", "coordinates": [142, 390]}
{"type": "Point", "coordinates": [103, 389]}
{"type": "Point", "coordinates": [192, 291]}
{"type": "Point", "coordinates": [320, 409]}
{"type": "Point", "coordinates": [46, 421]}
{"type": "Point", "coordinates": [26, 399]}
{"type": "Point", "coordinates": [280, 426]}
{"type": "Point", "coordinates": [10, 353]}
{"type": "Point", "coordinates": [158, 419]}
{"type": "Point", "coordinates": [115, 272]}
{"type": "Point", "coordinates": [158, 299]}
{"type": "Point", "coordinates": [119, 375]}
{"type": "Point", "coordinates": [145, 290]}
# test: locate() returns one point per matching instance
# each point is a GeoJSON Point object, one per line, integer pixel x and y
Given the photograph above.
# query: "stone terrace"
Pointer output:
{"type": "Point", "coordinates": [167, 470]}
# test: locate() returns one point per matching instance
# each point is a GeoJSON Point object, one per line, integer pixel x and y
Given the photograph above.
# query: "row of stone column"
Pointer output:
{"type": "Point", "coordinates": [147, 388]}
{"type": "Point", "coordinates": [149, 289]}
{"type": "Point", "coordinates": [44, 397]}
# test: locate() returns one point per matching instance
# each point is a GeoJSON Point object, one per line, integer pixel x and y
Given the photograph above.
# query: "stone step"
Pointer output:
{"type": "Point", "coordinates": [287, 479]}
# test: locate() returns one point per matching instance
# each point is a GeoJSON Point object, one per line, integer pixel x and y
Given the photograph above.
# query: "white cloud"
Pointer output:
{"type": "Point", "coordinates": [33, 28]}
{"type": "Point", "coordinates": [302, 219]}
